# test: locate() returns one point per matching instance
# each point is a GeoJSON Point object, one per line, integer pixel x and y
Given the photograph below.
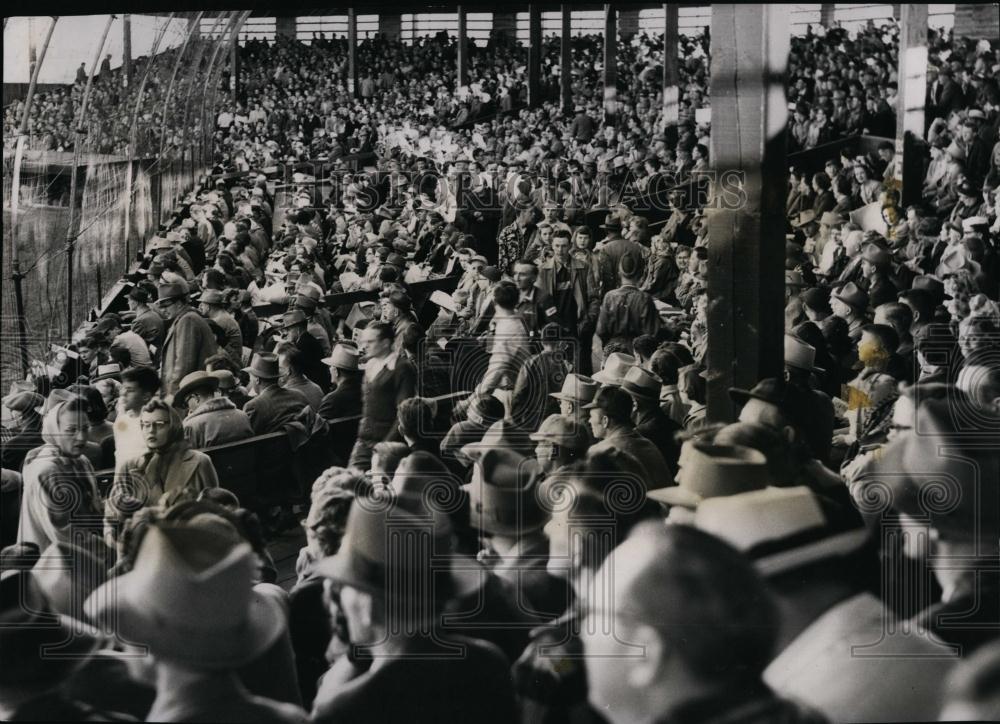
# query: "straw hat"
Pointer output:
{"type": "Point", "coordinates": [710, 471]}
{"type": "Point", "coordinates": [344, 358]}
{"type": "Point", "coordinates": [800, 355]}
{"type": "Point", "coordinates": [783, 528]}
{"type": "Point", "coordinates": [616, 366]}
{"type": "Point", "coordinates": [190, 599]}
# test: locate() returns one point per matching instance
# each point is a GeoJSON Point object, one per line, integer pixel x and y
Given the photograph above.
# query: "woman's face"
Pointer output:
{"type": "Point", "coordinates": [581, 240]}
{"type": "Point", "coordinates": [74, 427]}
{"type": "Point", "coordinates": [155, 427]}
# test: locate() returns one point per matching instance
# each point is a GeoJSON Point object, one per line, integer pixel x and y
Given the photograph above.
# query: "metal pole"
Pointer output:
{"type": "Point", "coordinates": [127, 48]}
{"type": "Point", "coordinates": [71, 233]}
{"type": "Point", "coordinates": [166, 99]}
{"type": "Point", "coordinates": [208, 106]}
{"type": "Point", "coordinates": [15, 260]}
{"type": "Point", "coordinates": [566, 58]}
{"type": "Point", "coordinates": [462, 56]}
{"type": "Point", "coordinates": [610, 63]}
{"type": "Point", "coordinates": [352, 53]}
{"type": "Point", "coordinates": [671, 76]}
{"type": "Point", "coordinates": [132, 140]}
{"type": "Point", "coordinates": [199, 54]}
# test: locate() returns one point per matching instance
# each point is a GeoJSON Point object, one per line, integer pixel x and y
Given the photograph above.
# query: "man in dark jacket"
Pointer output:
{"type": "Point", "coordinates": [189, 341]}
{"type": "Point", "coordinates": [293, 326]}
{"type": "Point", "coordinates": [210, 420]}
{"type": "Point", "coordinates": [571, 285]}
{"type": "Point", "coordinates": [627, 311]}
{"type": "Point", "coordinates": [274, 407]}
{"type": "Point", "coordinates": [388, 380]}
{"type": "Point", "coordinates": [650, 420]}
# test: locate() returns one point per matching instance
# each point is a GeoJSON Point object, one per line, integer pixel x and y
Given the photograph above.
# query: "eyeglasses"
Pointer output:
{"type": "Point", "coordinates": [153, 424]}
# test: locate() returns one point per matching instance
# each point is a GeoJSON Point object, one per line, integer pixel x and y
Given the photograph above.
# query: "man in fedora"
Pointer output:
{"type": "Point", "coordinates": [294, 332]}
{"type": "Point", "coordinates": [707, 471]}
{"type": "Point", "coordinates": [320, 322]}
{"type": "Point", "coordinates": [611, 423]}
{"type": "Point", "coordinates": [842, 652]}
{"type": "Point", "coordinates": [504, 507]}
{"type": "Point", "coordinates": [213, 306]}
{"type": "Point", "coordinates": [577, 391]}
{"type": "Point", "coordinates": [650, 420]}
{"type": "Point", "coordinates": [850, 303]}
{"type": "Point", "coordinates": [642, 667]}
{"type": "Point", "coordinates": [344, 400]}
{"type": "Point", "coordinates": [210, 420]}
{"type": "Point", "coordinates": [33, 683]}
{"type": "Point", "coordinates": [274, 407]}
{"type": "Point", "coordinates": [147, 323]}
{"type": "Point", "coordinates": [627, 311]}
{"type": "Point", "coordinates": [189, 341]}
{"type": "Point", "coordinates": [417, 673]}
{"type": "Point", "coordinates": [616, 366]}
{"type": "Point", "coordinates": [560, 442]}
{"type": "Point", "coordinates": [190, 599]}
{"type": "Point", "coordinates": [231, 388]}
{"type": "Point", "coordinates": [613, 248]}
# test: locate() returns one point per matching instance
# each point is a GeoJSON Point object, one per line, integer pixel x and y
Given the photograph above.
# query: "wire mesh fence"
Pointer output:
{"type": "Point", "coordinates": [96, 157]}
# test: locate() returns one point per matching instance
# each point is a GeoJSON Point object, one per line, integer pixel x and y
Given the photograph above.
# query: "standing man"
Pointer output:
{"type": "Point", "coordinates": [627, 311]}
{"type": "Point", "coordinates": [567, 280]}
{"type": "Point", "coordinates": [189, 340]}
{"type": "Point", "coordinates": [389, 379]}
{"type": "Point", "coordinates": [533, 304]}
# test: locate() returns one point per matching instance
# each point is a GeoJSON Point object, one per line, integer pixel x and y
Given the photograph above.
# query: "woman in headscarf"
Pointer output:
{"type": "Point", "coordinates": [168, 473]}
{"type": "Point", "coordinates": [60, 491]}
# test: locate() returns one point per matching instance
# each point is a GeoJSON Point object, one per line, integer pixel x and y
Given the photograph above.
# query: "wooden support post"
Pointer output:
{"type": "Point", "coordinates": [671, 74]}
{"type": "Point", "coordinates": [352, 53]}
{"type": "Point", "coordinates": [127, 49]}
{"type": "Point", "coordinates": [610, 63]}
{"type": "Point", "coordinates": [909, 169]}
{"type": "Point", "coordinates": [826, 11]}
{"type": "Point", "coordinates": [746, 263]}
{"type": "Point", "coordinates": [463, 49]}
{"type": "Point", "coordinates": [566, 58]}
{"type": "Point", "coordinates": [234, 79]}
{"type": "Point", "coordinates": [534, 56]}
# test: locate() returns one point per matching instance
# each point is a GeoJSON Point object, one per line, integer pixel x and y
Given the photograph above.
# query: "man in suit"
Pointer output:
{"type": "Point", "coordinates": [611, 423]}
{"type": "Point", "coordinates": [567, 280]}
{"type": "Point", "coordinates": [294, 332]}
{"type": "Point", "coordinates": [650, 420]}
{"type": "Point", "coordinates": [189, 341]}
{"type": "Point", "coordinates": [389, 378]}
{"type": "Point", "coordinates": [611, 250]}
{"type": "Point", "coordinates": [344, 401]}
{"type": "Point", "coordinates": [147, 323]}
{"type": "Point", "coordinates": [210, 420]}
{"type": "Point", "coordinates": [274, 408]}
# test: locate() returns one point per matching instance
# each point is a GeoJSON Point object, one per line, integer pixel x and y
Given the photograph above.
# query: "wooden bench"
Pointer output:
{"type": "Point", "coordinates": [263, 470]}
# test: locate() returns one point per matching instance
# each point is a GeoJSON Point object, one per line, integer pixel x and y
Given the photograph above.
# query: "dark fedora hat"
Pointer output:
{"type": "Point", "coordinates": [612, 223]}
{"type": "Point", "coordinates": [503, 499]}
{"type": "Point", "coordinates": [392, 552]}
{"type": "Point", "coordinates": [770, 390]}
{"type": "Point", "coordinates": [264, 366]}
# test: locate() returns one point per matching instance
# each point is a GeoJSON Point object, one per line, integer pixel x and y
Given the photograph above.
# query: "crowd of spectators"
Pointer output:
{"type": "Point", "coordinates": [600, 549]}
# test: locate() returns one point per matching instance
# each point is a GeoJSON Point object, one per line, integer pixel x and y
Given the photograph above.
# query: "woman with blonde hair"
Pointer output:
{"type": "Point", "coordinates": [168, 473]}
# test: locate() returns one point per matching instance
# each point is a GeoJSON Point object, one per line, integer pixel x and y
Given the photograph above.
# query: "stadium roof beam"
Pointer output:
{"type": "Point", "coordinates": [746, 250]}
